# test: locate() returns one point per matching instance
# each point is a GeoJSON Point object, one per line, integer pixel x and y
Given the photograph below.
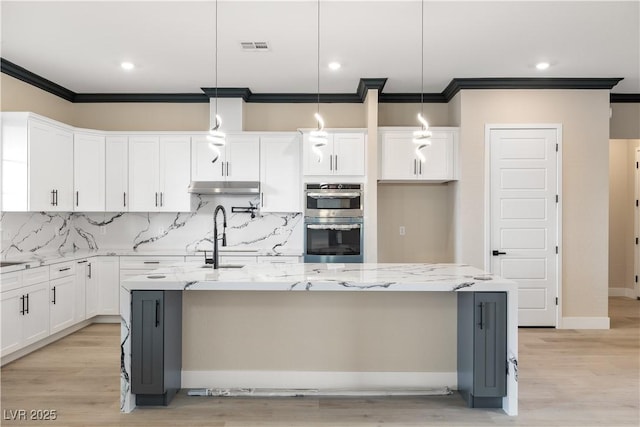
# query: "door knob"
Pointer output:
{"type": "Point", "coordinates": [496, 253]}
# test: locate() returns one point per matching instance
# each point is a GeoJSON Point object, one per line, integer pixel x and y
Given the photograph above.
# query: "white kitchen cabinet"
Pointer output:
{"type": "Point", "coordinates": [399, 162]}
{"type": "Point", "coordinates": [25, 316]}
{"type": "Point", "coordinates": [88, 280]}
{"type": "Point", "coordinates": [344, 155]}
{"type": "Point", "coordinates": [116, 173]}
{"type": "Point", "coordinates": [37, 164]}
{"type": "Point", "coordinates": [81, 273]}
{"type": "Point", "coordinates": [63, 296]}
{"type": "Point", "coordinates": [89, 172]}
{"type": "Point", "coordinates": [280, 183]}
{"type": "Point", "coordinates": [108, 275]}
{"type": "Point", "coordinates": [159, 173]}
{"type": "Point", "coordinates": [238, 160]}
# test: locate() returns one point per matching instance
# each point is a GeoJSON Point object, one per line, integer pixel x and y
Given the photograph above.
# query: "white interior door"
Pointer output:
{"type": "Point", "coordinates": [523, 212]}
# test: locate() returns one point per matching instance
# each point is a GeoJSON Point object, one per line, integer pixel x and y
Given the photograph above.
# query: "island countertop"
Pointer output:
{"type": "Point", "coordinates": [322, 277]}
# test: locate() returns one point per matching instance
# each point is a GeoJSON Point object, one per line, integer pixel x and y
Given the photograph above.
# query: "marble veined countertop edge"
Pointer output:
{"type": "Point", "coordinates": [322, 277]}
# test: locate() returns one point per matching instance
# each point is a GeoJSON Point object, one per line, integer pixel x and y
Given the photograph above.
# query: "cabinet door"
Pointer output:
{"type": "Point", "coordinates": [243, 158]}
{"type": "Point", "coordinates": [11, 307]}
{"type": "Point", "coordinates": [144, 163]}
{"type": "Point", "coordinates": [50, 168]}
{"type": "Point", "coordinates": [438, 163]}
{"type": "Point", "coordinates": [280, 181]}
{"type": "Point", "coordinates": [62, 311]}
{"type": "Point", "coordinates": [490, 344]}
{"type": "Point", "coordinates": [147, 342]}
{"type": "Point", "coordinates": [91, 290]}
{"type": "Point", "coordinates": [36, 320]}
{"type": "Point", "coordinates": [348, 153]}
{"type": "Point", "coordinates": [207, 161]}
{"type": "Point", "coordinates": [397, 158]}
{"type": "Point", "coordinates": [117, 173]}
{"type": "Point", "coordinates": [314, 165]}
{"type": "Point", "coordinates": [88, 172]}
{"type": "Point", "coordinates": [108, 278]}
{"type": "Point", "coordinates": [175, 173]}
{"type": "Point", "coordinates": [81, 290]}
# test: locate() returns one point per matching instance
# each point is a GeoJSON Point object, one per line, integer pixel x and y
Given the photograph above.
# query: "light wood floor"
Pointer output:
{"type": "Point", "coordinates": [567, 378]}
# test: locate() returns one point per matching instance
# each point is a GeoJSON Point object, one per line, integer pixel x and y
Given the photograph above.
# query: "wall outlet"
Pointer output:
{"type": "Point", "coordinates": [402, 230]}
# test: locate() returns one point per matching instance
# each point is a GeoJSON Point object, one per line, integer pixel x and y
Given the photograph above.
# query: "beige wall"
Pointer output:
{"type": "Point", "coordinates": [289, 117]}
{"type": "Point", "coordinates": [625, 120]}
{"type": "Point", "coordinates": [621, 211]}
{"type": "Point", "coordinates": [401, 114]}
{"type": "Point", "coordinates": [16, 95]}
{"type": "Point", "coordinates": [584, 116]}
{"type": "Point", "coordinates": [320, 331]}
{"type": "Point", "coordinates": [426, 212]}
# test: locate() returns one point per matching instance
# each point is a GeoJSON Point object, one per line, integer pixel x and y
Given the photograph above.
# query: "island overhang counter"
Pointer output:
{"type": "Point", "coordinates": [464, 282]}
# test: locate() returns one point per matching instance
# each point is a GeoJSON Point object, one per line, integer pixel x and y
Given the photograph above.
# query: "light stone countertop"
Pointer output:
{"type": "Point", "coordinates": [321, 277]}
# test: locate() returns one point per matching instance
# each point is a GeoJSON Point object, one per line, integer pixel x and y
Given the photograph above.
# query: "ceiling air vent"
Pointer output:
{"type": "Point", "coordinates": [254, 46]}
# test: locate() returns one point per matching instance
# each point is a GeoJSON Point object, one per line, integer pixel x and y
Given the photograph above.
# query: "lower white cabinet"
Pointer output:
{"type": "Point", "coordinates": [25, 316]}
{"type": "Point", "coordinates": [82, 271]}
{"type": "Point", "coordinates": [62, 296]}
{"type": "Point", "coordinates": [88, 277]}
{"type": "Point", "coordinates": [108, 271]}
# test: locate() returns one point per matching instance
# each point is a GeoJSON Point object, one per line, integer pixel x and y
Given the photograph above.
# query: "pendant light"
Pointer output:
{"type": "Point", "coordinates": [422, 137]}
{"type": "Point", "coordinates": [216, 137]}
{"type": "Point", "coordinates": [319, 137]}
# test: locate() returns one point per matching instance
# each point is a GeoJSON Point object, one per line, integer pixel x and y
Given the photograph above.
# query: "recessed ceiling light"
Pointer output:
{"type": "Point", "coordinates": [127, 66]}
{"type": "Point", "coordinates": [334, 66]}
{"type": "Point", "coordinates": [542, 65]}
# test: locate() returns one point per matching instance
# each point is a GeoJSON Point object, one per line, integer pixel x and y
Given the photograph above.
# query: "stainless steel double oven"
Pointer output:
{"type": "Point", "coordinates": [333, 223]}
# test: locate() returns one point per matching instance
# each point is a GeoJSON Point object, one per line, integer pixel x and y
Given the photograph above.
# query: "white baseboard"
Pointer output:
{"type": "Point", "coordinates": [318, 380]}
{"type": "Point", "coordinates": [585, 323]}
{"type": "Point", "coordinates": [622, 292]}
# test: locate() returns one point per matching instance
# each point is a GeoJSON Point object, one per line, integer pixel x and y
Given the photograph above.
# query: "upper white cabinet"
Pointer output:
{"type": "Point", "coordinates": [159, 173]}
{"type": "Point", "coordinates": [117, 173]}
{"type": "Point", "coordinates": [89, 172]}
{"type": "Point", "coordinates": [343, 155]}
{"type": "Point", "coordinates": [238, 160]}
{"type": "Point", "coordinates": [37, 164]}
{"type": "Point", "coordinates": [399, 162]}
{"type": "Point", "coordinates": [280, 183]}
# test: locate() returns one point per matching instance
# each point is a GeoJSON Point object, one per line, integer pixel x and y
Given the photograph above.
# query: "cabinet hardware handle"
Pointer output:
{"type": "Point", "coordinates": [90, 271]}
{"type": "Point", "coordinates": [330, 161]}
{"type": "Point", "coordinates": [52, 198]}
{"type": "Point", "coordinates": [156, 200]}
{"type": "Point", "coordinates": [335, 162]}
{"type": "Point", "coordinates": [151, 262]}
{"type": "Point", "coordinates": [77, 198]}
{"type": "Point", "coordinates": [64, 269]}
{"type": "Point", "coordinates": [124, 199]}
{"type": "Point", "coordinates": [82, 262]}
{"type": "Point", "coordinates": [415, 167]}
{"type": "Point", "coordinates": [54, 295]}
{"type": "Point", "coordinates": [481, 324]}
{"type": "Point", "coordinates": [22, 305]}
{"type": "Point", "coordinates": [496, 253]}
{"type": "Point", "coordinates": [157, 313]}
{"type": "Point", "coordinates": [222, 168]}
{"type": "Point", "coordinates": [420, 167]}
{"type": "Point", "coordinates": [161, 199]}
{"type": "Point", "coordinates": [262, 200]}
{"type": "Point", "coordinates": [27, 299]}
{"type": "Point", "coordinates": [228, 169]}
{"type": "Point", "coordinates": [55, 193]}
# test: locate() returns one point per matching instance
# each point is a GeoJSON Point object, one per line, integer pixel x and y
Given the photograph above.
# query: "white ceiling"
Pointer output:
{"type": "Point", "coordinates": [80, 44]}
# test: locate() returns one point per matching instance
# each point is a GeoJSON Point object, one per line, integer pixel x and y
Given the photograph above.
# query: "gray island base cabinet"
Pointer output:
{"type": "Point", "coordinates": [156, 346]}
{"type": "Point", "coordinates": [482, 348]}
{"type": "Point", "coordinates": [486, 311]}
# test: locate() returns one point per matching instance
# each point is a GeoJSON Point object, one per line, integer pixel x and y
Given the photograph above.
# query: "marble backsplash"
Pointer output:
{"type": "Point", "coordinates": [34, 233]}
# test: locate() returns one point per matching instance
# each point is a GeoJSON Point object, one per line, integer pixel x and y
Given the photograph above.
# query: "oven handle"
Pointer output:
{"type": "Point", "coordinates": [333, 195]}
{"type": "Point", "coordinates": [333, 226]}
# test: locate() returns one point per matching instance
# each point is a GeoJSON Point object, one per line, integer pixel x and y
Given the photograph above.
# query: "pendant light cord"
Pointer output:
{"type": "Point", "coordinates": [421, 60]}
{"type": "Point", "coordinates": [318, 59]}
{"type": "Point", "coordinates": [216, 66]}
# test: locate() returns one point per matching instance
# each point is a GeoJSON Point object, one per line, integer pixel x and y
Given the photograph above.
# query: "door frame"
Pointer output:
{"type": "Point", "coordinates": [488, 127]}
{"type": "Point", "coordinates": [636, 223]}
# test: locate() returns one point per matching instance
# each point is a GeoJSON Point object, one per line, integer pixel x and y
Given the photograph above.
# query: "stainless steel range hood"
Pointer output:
{"type": "Point", "coordinates": [224, 187]}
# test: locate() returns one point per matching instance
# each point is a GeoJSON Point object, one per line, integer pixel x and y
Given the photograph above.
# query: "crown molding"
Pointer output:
{"type": "Point", "coordinates": [624, 98]}
{"type": "Point", "coordinates": [364, 85]}
{"type": "Point", "coordinates": [16, 71]}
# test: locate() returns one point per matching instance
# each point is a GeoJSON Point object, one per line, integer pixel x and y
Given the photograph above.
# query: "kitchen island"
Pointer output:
{"type": "Point", "coordinates": [463, 280]}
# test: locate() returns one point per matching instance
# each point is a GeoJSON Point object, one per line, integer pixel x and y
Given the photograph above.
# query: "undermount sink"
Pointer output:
{"type": "Point", "coordinates": [10, 263]}
{"type": "Point", "coordinates": [223, 266]}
